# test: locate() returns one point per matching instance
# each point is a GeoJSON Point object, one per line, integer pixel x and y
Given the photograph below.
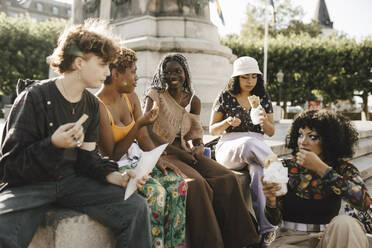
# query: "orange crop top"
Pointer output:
{"type": "Point", "coordinates": [119, 132]}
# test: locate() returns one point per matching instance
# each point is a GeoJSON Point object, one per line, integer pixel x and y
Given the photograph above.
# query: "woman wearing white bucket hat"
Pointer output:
{"type": "Point", "coordinates": [241, 143]}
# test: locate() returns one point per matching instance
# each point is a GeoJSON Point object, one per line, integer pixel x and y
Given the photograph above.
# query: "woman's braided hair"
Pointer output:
{"type": "Point", "coordinates": [158, 81]}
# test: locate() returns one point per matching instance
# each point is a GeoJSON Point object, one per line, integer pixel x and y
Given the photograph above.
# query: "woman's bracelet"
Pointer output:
{"type": "Point", "coordinates": [201, 144]}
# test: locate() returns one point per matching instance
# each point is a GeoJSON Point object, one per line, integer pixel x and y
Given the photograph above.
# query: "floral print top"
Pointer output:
{"type": "Point", "coordinates": [228, 105]}
{"type": "Point", "coordinates": [310, 197]}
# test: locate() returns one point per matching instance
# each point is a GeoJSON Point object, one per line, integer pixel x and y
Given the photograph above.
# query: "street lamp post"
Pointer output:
{"type": "Point", "coordinates": [279, 77]}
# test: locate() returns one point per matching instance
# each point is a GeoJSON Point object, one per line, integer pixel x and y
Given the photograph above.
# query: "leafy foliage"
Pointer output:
{"type": "Point", "coordinates": [287, 21]}
{"type": "Point", "coordinates": [314, 66]}
{"type": "Point", "coordinates": [25, 45]}
{"type": "Point", "coordinates": [333, 67]}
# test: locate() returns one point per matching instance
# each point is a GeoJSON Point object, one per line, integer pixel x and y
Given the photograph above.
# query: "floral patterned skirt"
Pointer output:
{"type": "Point", "coordinates": [166, 197]}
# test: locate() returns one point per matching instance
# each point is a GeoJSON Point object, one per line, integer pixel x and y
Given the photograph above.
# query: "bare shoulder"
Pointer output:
{"type": "Point", "coordinates": [195, 100]}
{"type": "Point", "coordinates": [195, 105]}
{"type": "Point", "coordinates": [133, 97]}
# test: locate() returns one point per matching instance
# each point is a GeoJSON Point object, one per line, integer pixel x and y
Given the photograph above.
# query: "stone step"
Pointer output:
{"type": "Point", "coordinates": [364, 147]}
{"type": "Point", "coordinates": [278, 147]}
{"type": "Point", "coordinates": [364, 165]}
{"type": "Point", "coordinates": [64, 228]}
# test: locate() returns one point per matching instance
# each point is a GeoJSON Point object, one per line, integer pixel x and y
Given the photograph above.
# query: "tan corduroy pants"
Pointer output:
{"type": "Point", "coordinates": [342, 232]}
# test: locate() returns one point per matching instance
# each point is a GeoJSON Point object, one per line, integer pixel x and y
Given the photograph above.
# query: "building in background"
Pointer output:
{"type": "Point", "coordinates": [322, 16]}
{"type": "Point", "coordinates": [39, 10]}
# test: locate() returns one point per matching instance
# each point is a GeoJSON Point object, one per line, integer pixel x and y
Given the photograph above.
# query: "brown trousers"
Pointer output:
{"type": "Point", "coordinates": [216, 214]}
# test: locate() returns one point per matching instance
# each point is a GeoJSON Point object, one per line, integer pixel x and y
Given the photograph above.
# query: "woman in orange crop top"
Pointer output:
{"type": "Point", "coordinates": [121, 122]}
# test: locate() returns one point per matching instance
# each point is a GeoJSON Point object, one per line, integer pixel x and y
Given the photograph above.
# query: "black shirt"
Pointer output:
{"type": "Point", "coordinates": [27, 154]}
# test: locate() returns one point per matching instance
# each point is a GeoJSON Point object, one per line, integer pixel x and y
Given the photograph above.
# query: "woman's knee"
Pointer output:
{"type": "Point", "coordinates": [344, 222]}
{"type": "Point", "coordinates": [199, 185]}
{"type": "Point", "coordinates": [256, 148]}
{"type": "Point", "coordinates": [138, 201]}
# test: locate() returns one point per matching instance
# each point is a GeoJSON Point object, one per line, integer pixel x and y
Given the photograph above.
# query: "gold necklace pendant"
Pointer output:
{"type": "Point", "coordinates": [72, 104]}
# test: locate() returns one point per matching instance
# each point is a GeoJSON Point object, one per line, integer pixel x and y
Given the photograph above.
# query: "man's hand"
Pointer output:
{"type": "Point", "coordinates": [68, 136]}
{"type": "Point", "coordinates": [122, 179]}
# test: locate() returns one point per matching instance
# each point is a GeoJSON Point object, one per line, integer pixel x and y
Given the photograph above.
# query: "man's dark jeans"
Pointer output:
{"type": "Point", "coordinates": [22, 209]}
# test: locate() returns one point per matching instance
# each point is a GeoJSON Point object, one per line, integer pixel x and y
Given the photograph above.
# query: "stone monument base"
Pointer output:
{"type": "Point", "coordinates": [197, 39]}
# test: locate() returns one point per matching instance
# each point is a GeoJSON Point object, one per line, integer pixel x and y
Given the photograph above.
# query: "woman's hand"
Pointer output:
{"type": "Point", "coordinates": [141, 182]}
{"type": "Point", "coordinates": [163, 164]}
{"type": "Point", "coordinates": [197, 150]}
{"type": "Point", "coordinates": [122, 179]}
{"type": "Point", "coordinates": [269, 190]}
{"type": "Point", "coordinates": [233, 121]}
{"type": "Point", "coordinates": [310, 160]}
{"type": "Point", "coordinates": [149, 117]}
{"type": "Point", "coordinates": [69, 135]}
{"type": "Point", "coordinates": [263, 117]}
{"type": "Point", "coordinates": [188, 158]}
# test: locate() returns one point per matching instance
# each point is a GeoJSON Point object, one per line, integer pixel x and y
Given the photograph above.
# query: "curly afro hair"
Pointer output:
{"type": "Point", "coordinates": [338, 136]}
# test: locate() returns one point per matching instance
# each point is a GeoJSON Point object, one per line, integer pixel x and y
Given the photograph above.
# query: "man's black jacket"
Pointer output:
{"type": "Point", "coordinates": [27, 154]}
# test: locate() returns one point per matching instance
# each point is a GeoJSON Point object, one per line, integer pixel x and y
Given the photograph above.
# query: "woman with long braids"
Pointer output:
{"type": "Point", "coordinates": [216, 214]}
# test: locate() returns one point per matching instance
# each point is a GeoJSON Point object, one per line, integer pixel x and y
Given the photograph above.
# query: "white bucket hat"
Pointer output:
{"type": "Point", "coordinates": [245, 65]}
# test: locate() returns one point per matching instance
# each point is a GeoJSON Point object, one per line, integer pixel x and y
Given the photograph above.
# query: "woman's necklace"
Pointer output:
{"type": "Point", "coordinates": [73, 105]}
{"type": "Point", "coordinates": [243, 101]}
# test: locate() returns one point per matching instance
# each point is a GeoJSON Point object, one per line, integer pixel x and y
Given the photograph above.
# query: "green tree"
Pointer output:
{"type": "Point", "coordinates": [287, 21]}
{"type": "Point", "coordinates": [25, 45]}
{"type": "Point", "coordinates": [362, 75]}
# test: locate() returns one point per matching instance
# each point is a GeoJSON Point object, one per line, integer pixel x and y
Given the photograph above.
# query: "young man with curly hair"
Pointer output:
{"type": "Point", "coordinates": [49, 157]}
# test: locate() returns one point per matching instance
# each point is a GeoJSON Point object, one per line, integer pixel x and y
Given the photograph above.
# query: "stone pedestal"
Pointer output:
{"type": "Point", "coordinates": [63, 228]}
{"type": "Point", "coordinates": [153, 37]}
{"type": "Point", "coordinates": [154, 28]}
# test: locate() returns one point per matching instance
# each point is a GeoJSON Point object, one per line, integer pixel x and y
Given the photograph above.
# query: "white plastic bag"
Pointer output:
{"type": "Point", "coordinates": [141, 162]}
{"type": "Point", "coordinates": [277, 173]}
{"type": "Point", "coordinates": [256, 115]}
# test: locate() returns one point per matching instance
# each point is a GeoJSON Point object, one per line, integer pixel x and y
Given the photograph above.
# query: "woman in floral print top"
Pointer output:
{"type": "Point", "coordinates": [319, 178]}
{"type": "Point", "coordinates": [229, 106]}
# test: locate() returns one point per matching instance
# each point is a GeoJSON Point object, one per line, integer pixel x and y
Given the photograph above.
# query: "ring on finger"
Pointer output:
{"type": "Point", "coordinates": [78, 143]}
